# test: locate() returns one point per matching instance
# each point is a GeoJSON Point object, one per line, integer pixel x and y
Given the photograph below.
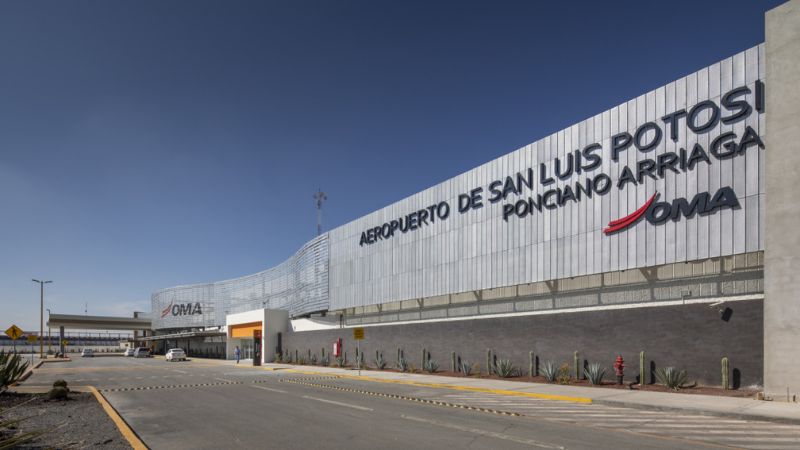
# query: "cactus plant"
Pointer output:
{"type": "Point", "coordinates": [425, 356]}
{"type": "Point", "coordinates": [530, 364]}
{"type": "Point", "coordinates": [488, 361]}
{"type": "Point", "coordinates": [725, 374]}
{"type": "Point", "coordinates": [452, 361]}
{"type": "Point", "coordinates": [577, 365]}
{"type": "Point", "coordinates": [380, 363]}
{"type": "Point", "coordinates": [642, 373]}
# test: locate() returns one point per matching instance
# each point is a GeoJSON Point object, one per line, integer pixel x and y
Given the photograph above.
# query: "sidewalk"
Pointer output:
{"type": "Point", "coordinates": [740, 408]}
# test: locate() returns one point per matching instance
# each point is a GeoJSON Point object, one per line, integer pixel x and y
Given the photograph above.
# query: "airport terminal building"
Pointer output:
{"type": "Point", "coordinates": [659, 225]}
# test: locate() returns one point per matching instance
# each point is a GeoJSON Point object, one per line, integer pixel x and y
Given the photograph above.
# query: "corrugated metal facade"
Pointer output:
{"type": "Point", "coordinates": [299, 285]}
{"type": "Point", "coordinates": [479, 250]}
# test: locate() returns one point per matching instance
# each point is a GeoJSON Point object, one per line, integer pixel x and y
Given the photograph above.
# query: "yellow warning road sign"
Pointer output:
{"type": "Point", "coordinates": [14, 332]}
{"type": "Point", "coordinates": [32, 338]}
{"type": "Point", "coordinates": [358, 334]}
{"type": "Point", "coordinates": [65, 342]}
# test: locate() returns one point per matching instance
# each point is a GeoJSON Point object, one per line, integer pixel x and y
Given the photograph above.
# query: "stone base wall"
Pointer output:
{"type": "Point", "coordinates": [693, 337]}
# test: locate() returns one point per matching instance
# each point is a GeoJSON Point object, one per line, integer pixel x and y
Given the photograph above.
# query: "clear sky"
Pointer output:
{"type": "Point", "coordinates": [146, 144]}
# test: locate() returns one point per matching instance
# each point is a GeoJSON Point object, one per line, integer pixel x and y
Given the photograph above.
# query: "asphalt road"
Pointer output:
{"type": "Point", "coordinates": [203, 404]}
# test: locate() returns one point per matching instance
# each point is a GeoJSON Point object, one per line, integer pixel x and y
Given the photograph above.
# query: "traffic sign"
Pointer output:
{"type": "Point", "coordinates": [358, 334]}
{"type": "Point", "coordinates": [14, 332]}
{"type": "Point", "coordinates": [65, 342]}
{"type": "Point", "coordinates": [32, 338]}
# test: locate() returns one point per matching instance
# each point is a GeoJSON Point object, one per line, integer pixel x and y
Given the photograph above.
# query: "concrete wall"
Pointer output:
{"type": "Point", "coordinates": [782, 258]}
{"type": "Point", "coordinates": [691, 337]}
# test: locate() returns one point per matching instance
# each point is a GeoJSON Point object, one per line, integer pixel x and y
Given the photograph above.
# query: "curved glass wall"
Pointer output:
{"type": "Point", "coordinates": [299, 285]}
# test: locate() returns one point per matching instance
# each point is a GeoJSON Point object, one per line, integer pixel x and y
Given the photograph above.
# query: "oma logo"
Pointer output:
{"type": "Point", "coordinates": [188, 309]}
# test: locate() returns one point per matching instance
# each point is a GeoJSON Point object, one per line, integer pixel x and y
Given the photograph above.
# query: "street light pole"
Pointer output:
{"type": "Point", "coordinates": [41, 314]}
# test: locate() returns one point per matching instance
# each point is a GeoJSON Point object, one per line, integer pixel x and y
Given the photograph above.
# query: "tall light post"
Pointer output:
{"type": "Point", "coordinates": [41, 314]}
{"type": "Point", "coordinates": [319, 197]}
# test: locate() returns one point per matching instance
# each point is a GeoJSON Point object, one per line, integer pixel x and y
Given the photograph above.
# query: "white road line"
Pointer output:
{"type": "Point", "coordinates": [223, 379]}
{"type": "Point", "coordinates": [269, 389]}
{"type": "Point", "coordinates": [362, 408]}
{"type": "Point", "coordinates": [506, 437]}
{"type": "Point", "coordinates": [179, 371]}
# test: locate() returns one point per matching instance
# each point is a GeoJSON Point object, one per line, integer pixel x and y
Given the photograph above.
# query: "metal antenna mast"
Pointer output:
{"type": "Point", "coordinates": [319, 197]}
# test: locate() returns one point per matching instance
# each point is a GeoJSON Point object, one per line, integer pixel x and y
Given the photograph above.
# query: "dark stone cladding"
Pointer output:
{"type": "Point", "coordinates": [692, 337]}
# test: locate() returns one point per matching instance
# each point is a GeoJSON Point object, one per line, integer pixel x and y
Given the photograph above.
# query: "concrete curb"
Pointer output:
{"type": "Point", "coordinates": [122, 426]}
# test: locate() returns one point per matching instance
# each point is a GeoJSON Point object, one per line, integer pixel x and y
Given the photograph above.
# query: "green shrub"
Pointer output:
{"type": "Point", "coordinates": [12, 367]}
{"type": "Point", "coordinates": [671, 377]}
{"type": "Point", "coordinates": [504, 368]}
{"type": "Point", "coordinates": [58, 393]}
{"type": "Point", "coordinates": [595, 373]}
{"type": "Point", "coordinates": [563, 376]}
{"type": "Point", "coordinates": [549, 371]}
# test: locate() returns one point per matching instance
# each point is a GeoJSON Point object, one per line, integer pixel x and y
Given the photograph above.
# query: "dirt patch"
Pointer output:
{"type": "Point", "coordinates": [79, 422]}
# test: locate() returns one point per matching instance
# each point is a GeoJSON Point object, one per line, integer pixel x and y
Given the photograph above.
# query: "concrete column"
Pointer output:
{"type": "Point", "coordinates": [782, 212]}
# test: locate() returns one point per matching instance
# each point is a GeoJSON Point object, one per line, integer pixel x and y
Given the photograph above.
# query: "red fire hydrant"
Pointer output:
{"type": "Point", "coordinates": [619, 368]}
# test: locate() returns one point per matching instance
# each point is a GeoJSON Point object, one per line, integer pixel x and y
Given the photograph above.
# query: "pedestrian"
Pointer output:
{"type": "Point", "coordinates": [237, 353]}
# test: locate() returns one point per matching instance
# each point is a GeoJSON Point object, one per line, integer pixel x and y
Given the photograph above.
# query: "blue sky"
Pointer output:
{"type": "Point", "coordinates": [150, 144]}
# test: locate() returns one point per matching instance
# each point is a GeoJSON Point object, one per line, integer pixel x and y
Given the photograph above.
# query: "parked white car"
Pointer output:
{"type": "Point", "coordinates": [128, 351]}
{"type": "Point", "coordinates": [176, 354]}
{"type": "Point", "coordinates": [141, 352]}
{"type": "Point", "coordinates": [87, 352]}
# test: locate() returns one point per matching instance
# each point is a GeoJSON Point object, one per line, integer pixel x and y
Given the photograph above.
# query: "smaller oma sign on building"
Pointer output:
{"type": "Point", "coordinates": [187, 309]}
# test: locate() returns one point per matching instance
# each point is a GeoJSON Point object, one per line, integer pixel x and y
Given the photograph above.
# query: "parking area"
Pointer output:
{"type": "Point", "coordinates": [215, 404]}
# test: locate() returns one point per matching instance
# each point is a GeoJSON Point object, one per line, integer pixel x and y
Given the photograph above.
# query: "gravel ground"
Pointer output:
{"type": "Point", "coordinates": [79, 422]}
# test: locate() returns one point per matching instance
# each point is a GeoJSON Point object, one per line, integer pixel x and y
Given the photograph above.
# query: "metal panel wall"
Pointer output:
{"type": "Point", "coordinates": [299, 285]}
{"type": "Point", "coordinates": [479, 250]}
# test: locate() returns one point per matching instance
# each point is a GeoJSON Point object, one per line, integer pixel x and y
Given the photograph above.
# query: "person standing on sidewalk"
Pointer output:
{"type": "Point", "coordinates": [237, 353]}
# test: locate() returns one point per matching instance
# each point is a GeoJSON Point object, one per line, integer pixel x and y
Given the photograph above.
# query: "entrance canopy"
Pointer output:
{"type": "Point", "coordinates": [98, 322]}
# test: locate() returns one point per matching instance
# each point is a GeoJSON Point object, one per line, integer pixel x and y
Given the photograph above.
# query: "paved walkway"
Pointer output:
{"type": "Point", "coordinates": [741, 408]}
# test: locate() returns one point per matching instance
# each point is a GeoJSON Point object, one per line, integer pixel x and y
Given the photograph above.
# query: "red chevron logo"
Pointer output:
{"type": "Point", "coordinates": [620, 224]}
{"type": "Point", "coordinates": [166, 310]}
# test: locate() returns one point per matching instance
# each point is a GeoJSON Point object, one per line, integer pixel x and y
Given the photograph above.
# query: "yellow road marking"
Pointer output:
{"type": "Point", "coordinates": [123, 427]}
{"type": "Point", "coordinates": [563, 398]}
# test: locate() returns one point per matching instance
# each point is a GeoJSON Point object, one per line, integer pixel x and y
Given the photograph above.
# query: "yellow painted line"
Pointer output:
{"type": "Point", "coordinates": [123, 427]}
{"type": "Point", "coordinates": [563, 398]}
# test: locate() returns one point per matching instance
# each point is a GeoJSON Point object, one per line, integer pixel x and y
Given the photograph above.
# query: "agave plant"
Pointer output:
{"type": "Point", "coordinates": [550, 371]}
{"type": "Point", "coordinates": [595, 373]}
{"type": "Point", "coordinates": [325, 360]}
{"type": "Point", "coordinates": [431, 366]}
{"type": "Point", "coordinates": [402, 364]}
{"type": "Point", "coordinates": [504, 368]}
{"type": "Point", "coordinates": [278, 358]}
{"type": "Point", "coordinates": [672, 377]}
{"type": "Point", "coordinates": [380, 363]}
{"type": "Point", "coordinates": [313, 360]}
{"type": "Point", "coordinates": [465, 368]}
{"type": "Point", "coordinates": [12, 366]}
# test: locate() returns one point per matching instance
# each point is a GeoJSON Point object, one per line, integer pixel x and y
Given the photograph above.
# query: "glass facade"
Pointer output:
{"type": "Point", "coordinates": [299, 285]}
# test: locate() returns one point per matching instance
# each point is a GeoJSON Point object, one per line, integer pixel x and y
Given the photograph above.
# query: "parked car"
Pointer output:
{"type": "Point", "coordinates": [87, 352]}
{"type": "Point", "coordinates": [141, 352]}
{"type": "Point", "coordinates": [129, 351]}
{"type": "Point", "coordinates": [175, 354]}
